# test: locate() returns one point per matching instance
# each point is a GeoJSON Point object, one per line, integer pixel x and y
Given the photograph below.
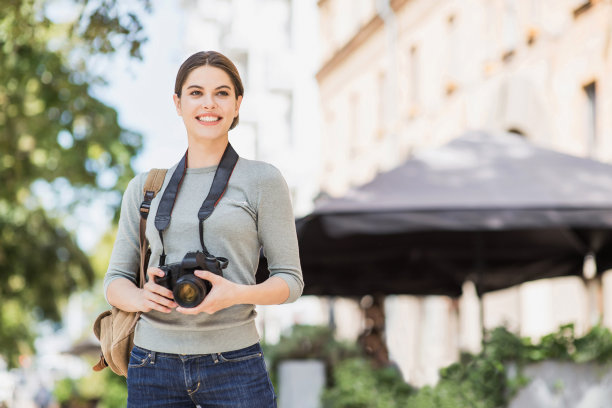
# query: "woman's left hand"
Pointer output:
{"type": "Point", "coordinates": [223, 294]}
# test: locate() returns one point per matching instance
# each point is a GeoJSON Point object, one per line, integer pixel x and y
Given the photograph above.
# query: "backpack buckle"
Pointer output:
{"type": "Point", "coordinates": [145, 207]}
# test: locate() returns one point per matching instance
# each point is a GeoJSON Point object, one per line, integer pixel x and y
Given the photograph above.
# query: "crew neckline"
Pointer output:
{"type": "Point", "coordinates": [202, 170]}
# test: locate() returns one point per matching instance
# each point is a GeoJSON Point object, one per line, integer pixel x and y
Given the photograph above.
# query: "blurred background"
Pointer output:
{"type": "Point", "coordinates": [337, 93]}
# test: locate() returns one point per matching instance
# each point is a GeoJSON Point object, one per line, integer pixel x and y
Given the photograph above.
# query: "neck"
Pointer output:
{"type": "Point", "coordinates": [206, 153]}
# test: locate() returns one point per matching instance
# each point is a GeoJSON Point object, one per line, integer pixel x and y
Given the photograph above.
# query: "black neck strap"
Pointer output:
{"type": "Point", "coordinates": [217, 189]}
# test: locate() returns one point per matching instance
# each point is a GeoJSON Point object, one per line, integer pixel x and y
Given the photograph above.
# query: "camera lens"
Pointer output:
{"type": "Point", "coordinates": [189, 291]}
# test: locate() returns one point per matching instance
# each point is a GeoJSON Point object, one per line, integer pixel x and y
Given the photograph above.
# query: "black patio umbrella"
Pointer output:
{"type": "Point", "coordinates": [492, 208]}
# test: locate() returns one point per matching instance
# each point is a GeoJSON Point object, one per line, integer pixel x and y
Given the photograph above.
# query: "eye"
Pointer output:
{"type": "Point", "coordinates": [195, 93]}
{"type": "Point", "coordinates": [223, 93]}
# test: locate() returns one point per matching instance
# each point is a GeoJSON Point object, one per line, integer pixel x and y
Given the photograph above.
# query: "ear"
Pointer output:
{"type": "Point", "coordinates": [238, 102]}
{"type": "Point", "coordinates": [177, 104]}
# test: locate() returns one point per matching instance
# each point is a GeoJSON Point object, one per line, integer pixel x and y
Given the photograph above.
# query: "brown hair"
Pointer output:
{"type": "Point", "coordinates": [213, 59]}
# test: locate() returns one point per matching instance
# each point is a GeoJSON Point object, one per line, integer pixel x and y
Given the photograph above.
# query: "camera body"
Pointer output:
{"type": "Point", "coordinates": [187, 288]}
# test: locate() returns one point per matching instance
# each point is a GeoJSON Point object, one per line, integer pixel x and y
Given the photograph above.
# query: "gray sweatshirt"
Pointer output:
{"type": "Point", "coordinates": [255, 211]}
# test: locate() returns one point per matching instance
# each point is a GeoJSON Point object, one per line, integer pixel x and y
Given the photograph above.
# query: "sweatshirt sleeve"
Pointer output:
{"type": "Point", "coordinates": [276, 230]}
{"type": "Point", "coordinates": [125, 257]}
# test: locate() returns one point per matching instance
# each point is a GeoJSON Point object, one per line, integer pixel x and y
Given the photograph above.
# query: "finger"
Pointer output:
{"type": "Point", "coordinates": [151, 301]}
{"type": "Point", "coordinates": [209, 276]}
{"type": "Point", "coordinates": [187, 310]}
{"type": "Point", "coordinates": [162, 300]}
{"type": "Point", "coordinates": [155, 288]}
{"type": "Point", "coordinates": [156, 306]}
{"type": "Point", "coordinates": [158, 302]}
{"type": "Point", "coordinates": [193, 310]}
{"type": "Point", "coordinates": [202, 307]}
{"type": "Point", "coordinates": [153, 271]}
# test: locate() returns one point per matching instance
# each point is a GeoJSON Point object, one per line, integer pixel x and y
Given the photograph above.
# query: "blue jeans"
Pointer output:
{"type": "Point", "coordinates": [233, 379]}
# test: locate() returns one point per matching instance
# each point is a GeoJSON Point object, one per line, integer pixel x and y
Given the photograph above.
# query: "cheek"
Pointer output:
{"type": "Point", "coordinates": [188, 107]}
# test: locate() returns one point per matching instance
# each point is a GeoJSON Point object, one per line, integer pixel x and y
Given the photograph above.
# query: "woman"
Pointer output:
{"type": "Point", "coordinates": [208, 355]}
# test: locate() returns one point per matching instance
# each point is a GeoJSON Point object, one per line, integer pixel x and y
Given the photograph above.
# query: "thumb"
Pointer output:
{"type": "Point", "coordinates": [209, 276]}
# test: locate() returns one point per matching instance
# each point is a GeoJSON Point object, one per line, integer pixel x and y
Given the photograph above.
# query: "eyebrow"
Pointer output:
{"type": "Point", "coordinates": [217, 88]}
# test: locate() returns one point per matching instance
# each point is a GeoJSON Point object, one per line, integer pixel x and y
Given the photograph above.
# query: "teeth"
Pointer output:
{"type": "Point", "coordinates": [208, 118]}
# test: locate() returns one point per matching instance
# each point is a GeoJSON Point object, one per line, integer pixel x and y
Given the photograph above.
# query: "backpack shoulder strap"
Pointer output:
{"type": "Point", "coordinates": [154, 183]}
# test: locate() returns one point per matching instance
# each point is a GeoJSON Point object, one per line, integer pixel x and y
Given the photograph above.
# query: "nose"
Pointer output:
{"type": "Point", "coordinates": [208, 101]}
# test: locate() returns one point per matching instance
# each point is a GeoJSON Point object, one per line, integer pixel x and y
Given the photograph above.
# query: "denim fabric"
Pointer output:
{"type": "Point", "coordinates": [232, 379]}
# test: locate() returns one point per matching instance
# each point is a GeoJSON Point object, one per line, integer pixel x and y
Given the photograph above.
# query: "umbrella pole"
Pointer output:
{"type": "Point", "coordinates": [332, 313]}
{"type": "Point", "coordinates": [594, 289]}
{"type": "Point", "coordinates": [372, 339]}
{"type": "Point", "coordinates": [481, 316]}
{"type": "Point", "coordinates": [595, 307]}
{"type": "Point", "coordinates": [472, 311]}
{"type": "Point", "coordinates": [480, 270]}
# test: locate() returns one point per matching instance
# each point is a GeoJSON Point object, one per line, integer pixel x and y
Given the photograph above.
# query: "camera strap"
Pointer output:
{"type": "Point", "coordinates": [217, 189]}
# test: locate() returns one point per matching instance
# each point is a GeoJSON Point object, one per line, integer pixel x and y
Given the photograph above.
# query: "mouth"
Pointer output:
{"type": "Point", "coordinates": [208, 119]}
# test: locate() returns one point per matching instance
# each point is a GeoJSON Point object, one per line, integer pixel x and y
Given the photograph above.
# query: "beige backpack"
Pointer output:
{"type": "Point", "coordinates": [115, 328]}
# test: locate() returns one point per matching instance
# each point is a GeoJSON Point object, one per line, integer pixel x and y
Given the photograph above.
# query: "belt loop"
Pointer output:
{"type": "Point", "coordinates": [152, 354]}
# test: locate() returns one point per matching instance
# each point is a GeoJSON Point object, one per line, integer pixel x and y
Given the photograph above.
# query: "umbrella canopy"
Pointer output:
{"type": "Point", "coordinates": [492, 208]}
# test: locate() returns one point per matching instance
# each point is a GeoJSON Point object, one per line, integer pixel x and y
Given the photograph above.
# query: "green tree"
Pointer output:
{"type": "Point", "coordinates": [54, 132]}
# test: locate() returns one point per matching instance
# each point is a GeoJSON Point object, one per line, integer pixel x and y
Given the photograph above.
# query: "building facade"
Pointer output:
{"type": "Point", "coordinates": [402, 75]}
{"type": "Point", "coordinates": [273, 46]}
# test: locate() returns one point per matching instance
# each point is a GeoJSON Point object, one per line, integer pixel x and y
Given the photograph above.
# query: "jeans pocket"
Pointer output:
{"type": "Point", "coordinates": [248, 353]}
{"type": "Point", "coordinates": [139, 357]}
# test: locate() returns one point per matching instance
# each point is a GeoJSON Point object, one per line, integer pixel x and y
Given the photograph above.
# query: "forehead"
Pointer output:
{"type": "Point", "coordinates": [208, 76]}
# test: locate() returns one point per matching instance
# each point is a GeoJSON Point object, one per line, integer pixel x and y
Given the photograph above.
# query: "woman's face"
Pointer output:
{"type": "Point", "coordinates": [208, 103]}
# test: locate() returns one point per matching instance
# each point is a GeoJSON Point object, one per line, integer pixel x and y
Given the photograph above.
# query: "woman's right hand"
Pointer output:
{"type": "Point", "coordinates": [154, 296]}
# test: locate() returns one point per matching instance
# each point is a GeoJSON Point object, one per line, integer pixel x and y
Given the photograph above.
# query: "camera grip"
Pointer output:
{"type": "Point", "coordinates": [163, 280]}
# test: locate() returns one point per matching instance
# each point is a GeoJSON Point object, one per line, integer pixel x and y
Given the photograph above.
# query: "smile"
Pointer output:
{"type": "Point", "coordinates": [208, 119]}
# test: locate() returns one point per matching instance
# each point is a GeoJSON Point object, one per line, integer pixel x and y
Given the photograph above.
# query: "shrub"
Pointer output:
{"type": "Point", "coordinates": [475, 381]}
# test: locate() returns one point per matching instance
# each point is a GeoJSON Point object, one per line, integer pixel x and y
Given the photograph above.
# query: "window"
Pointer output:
{"type": "Point", "coordinates": [354, 126]}
{"type": "Point", "coordinates": [510, 29]}
{"type": "Point", "coordinates": [590, 91]}
{"type": "Point", "coordinates": [413, 68]}
{"type": "Point", "coordinates": [516, 131]}
{"type": "Point", "coordinates": [452, 61]}
{"type": "Point", "coordinates": [535, 20]}
{"type": "Point", "coordinates": [581, 6]}
{"type": "Point", "coordinates": [383, 104]}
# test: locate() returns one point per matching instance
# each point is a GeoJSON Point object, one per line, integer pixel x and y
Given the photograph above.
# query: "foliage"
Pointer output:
{"type": "Point", "coordinates": [101, 389]}
{"type": "Point", "coordinates": [596, 345]}
{"type": "Point", "coordinates": [482, 380]}
{"type": "Point", "coordinates": [53, 132]}
{"type": "Point", "coordinates": [110, 391]}
{"type": "Point", "coordinates": [564, 345]}
{"type": "Point", "coordinates": [356, 384]}
{"type": "Point", "coordinates": [352, 382]}
{"type": "Point", "coordinates": [309, 342]}
{"type": "Point", "coordinates": [475, 381]}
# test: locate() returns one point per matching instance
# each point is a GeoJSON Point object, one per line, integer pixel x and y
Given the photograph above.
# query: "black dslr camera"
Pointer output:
{"type": "Point", "coordinates": [188, 289]}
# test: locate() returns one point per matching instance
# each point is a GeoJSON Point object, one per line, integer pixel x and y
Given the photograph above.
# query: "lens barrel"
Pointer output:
{"type": "Point", "coordinates": [189, 291]}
